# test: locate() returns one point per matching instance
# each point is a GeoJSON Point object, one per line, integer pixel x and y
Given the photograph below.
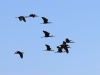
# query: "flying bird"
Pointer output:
{"type": "Point", "coordinates": [20, 53]}
{"type": "Point", "coordinates": [59, 50]}
{"type": "Point", "coordinates": [48, 48]}
{"type": "Point", "coordinates": [47, 34]}
{"type": "Point", "coordinates": [66, 49]}
{"type": "Point", "coordinates": [64, 44]}
{"type": "Point", "coordinates": [22, 18]}
{"type": "Point", "coordinates": [33, 15]}
{"type": "Point", "coordinates": [45, 20]}
{"type": "Point", "coordinates": [68, 41]}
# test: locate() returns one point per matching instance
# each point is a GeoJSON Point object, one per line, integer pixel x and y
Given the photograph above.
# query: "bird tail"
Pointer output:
{"type": "Point", "coordinates": [42, 37]}
{"type": "Point", "coordinates": [16, 17]}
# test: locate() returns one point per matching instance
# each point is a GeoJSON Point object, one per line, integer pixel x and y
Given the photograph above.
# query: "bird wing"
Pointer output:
{"type": "Point", "coordinates": [24, 19]}
{"type": "Point", "coordinates": [59, 50]}
{"type": "Point", "coordinates": [20, 18]}
{"type": "Point", "coordinates": [21, 55]}
{"type": "Point", "coordinates": [48, 47]}
{"type": "Point", "coordinates": [66, 49]}
{"type": "Point", "coordinates": [67, 40]}
{"type": "Point", "coordinates": [45, 19]}
{"type": "Point", "coordinates": [31, 15]}
{"type": "Point", "coordinates": [46, 32]}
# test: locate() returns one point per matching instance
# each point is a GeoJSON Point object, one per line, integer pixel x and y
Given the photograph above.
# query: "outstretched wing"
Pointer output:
{"type": "Point", "coordinates": [45, 19]}
{"type": "Point", "coordinates": [20, 18]}
{"type": "Point", "coordinates": [67, 40]}
{"type": "Point", "coordinates": [21, 55]}
{"type": "Point", "coordinates": [48, 47]}
{"type": "Point", "coordinates": [32, 15]}
{"type": "Point", "coordinates": [24, 19]}
{"type": "Point", "coordinates": [46, 33]}
{"type": "Point", "coordinates": [66, 49]}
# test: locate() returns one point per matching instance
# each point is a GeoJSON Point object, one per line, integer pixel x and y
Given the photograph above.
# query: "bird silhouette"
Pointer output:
{"type": "Point", "coordinates": [45, 20]}
{"type": "Point", "coordinates": [48, 48]}
{"type": "Point", "coordinates": [64, 44]}
{"type": "Point", "coordinates": [22, 18]}
{"type": "Point", "coordinates": [59, 50]}
{"type": "Point", "coordinates": [20, 53]}
{"type": "Point", "coordinates": [33, 15]}
{"type": "Point", "coordinates": [47, 34]}
{"type": "Point", "coordinates": [68, 41]}
{"type": "Point", "coordinates": [66, 49]}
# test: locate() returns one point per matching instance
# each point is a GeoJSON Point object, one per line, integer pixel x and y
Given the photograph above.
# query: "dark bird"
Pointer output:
{"type": "Point", "coordinates": [66, 49]}
{"type": "Point", "coordinates": [45, 20]}
{"type": "Point", "coordinates": [20, 53]}
{"type": "Point", "coordinates": [33, 15]}
{"type": "Point", "coordinates": [64, 44]}
{"type": "Point", "coordinates": [22, 18]}
{"type": "Point", "coordinates": [59, 50]}
{"type": "Point", "coordinates": [47, 34]}
{"type": "Point", "coordinates": [68, 41]}
{"type": "Point", "coordinates": [48, 48]}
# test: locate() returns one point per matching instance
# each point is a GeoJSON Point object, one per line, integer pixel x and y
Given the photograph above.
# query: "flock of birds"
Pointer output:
{"type": "Point", "coordinates": [64, 45]}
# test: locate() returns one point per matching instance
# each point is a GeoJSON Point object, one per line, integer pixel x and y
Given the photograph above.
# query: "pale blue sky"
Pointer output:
{"type": "Point", "coordinates": [78, 20]}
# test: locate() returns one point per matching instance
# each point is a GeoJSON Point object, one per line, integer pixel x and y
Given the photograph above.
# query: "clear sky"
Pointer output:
{"type": "Point", "coordinates": [78, 20]}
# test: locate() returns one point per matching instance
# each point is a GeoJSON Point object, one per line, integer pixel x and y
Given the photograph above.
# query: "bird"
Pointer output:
{"type": "Point", "coordinates": [33, 15]}
{"type": "Point", "coordinates": [64, 44]}
{"type": "Point", "coordinates": [59, 50]}
{"type": "Point", "coordinates": [22, 18]}
{"type": "Point", "coordinates": [48, 48]}
{"type": "Point", "coordinates": [47, 34]}
{"type": "Point", "coordinates": [45, 20]}
{"type": "Point", "coordinates": [20, 53]}
{"type": "Point", "coordinates": [68, 41]}
{"type": "Point", "coordinates": [66, 49]}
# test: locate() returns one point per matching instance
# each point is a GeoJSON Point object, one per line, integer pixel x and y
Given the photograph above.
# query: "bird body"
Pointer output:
{"type": "Point", "coordinates": [22, 18]}
{"type": "Point", "coordinates": [45, 20]}
{"type": "Point", "coordinates": [33, 15]}
{"type": "Point", "coordinates": [68, 41]}
{"type": "Point", "coordinates": [20, 53]}
{"type": "Point", "coordinates": [48, 48]}
{"type": "Point", "coordinates": [59, 50]}
{"type": "Point", "coordinates": [47, 34]}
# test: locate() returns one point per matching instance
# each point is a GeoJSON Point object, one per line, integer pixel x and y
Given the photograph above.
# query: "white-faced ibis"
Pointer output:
{"type": "Point", "coordinates": [66, 49]}
{"type": "Point", "coordinates": [68, 41]}
{"type": "Point", "coordinates": [64, 44]}
{"type": "Point", "coordinates": [48, 48]}
{"type": "Point", "coordinates": [59, 50]}
{"type": "Point", "coordinates": [45, 20]}
{"type": "Point", "coordinates": [22, 18]}
{"type": "Point", "coordinates": [20, 53]}
{"type": "Point", "coordinates": [47, 34]}
{"type": "Point", "coordinates": [33, 15]}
